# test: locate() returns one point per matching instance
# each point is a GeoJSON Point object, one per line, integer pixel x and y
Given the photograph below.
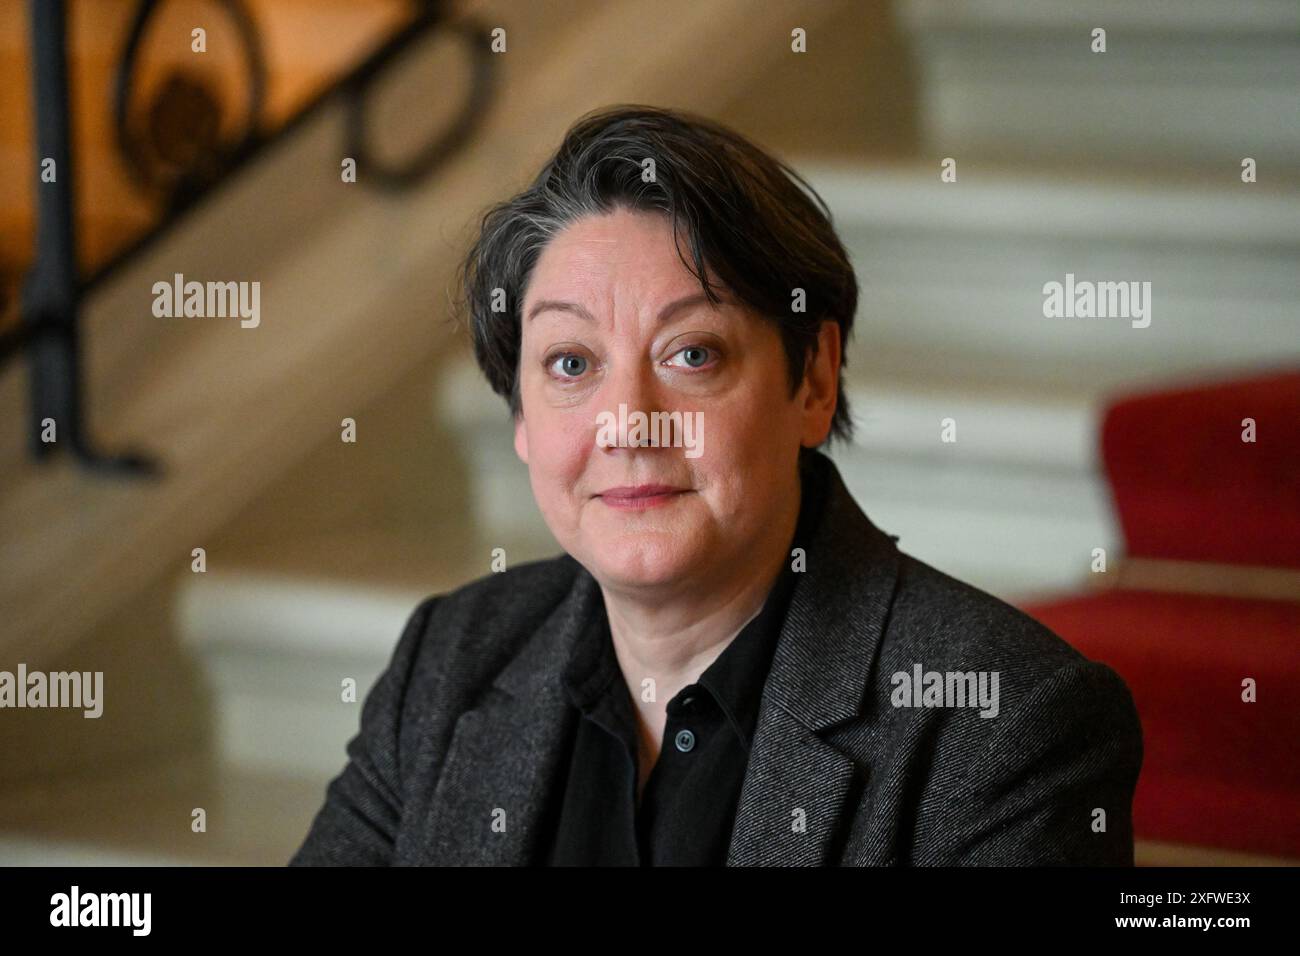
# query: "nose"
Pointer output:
{"type": "Point", "coordinates": [632, 387]}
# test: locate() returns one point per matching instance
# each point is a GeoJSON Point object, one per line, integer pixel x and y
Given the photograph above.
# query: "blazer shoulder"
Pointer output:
{"type": "Point", "coordinates": [490, 617]}
{"type": "Point", "coordinates": [937, 617]}
{"type": "Point", "coordinates": [506, 601]}
{"type": "Point", "coordinates": [1046, 687]}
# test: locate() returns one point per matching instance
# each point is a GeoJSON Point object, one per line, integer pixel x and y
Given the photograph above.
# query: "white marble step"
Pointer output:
{"type": "Point", "coordinates": [28, 851]}
{"type": "Point", "coordinates": [275, 650]}
{"type": "Point", "coordinates": [952, 276]}
{"type": "Point", "coordinates": [1185, 83]}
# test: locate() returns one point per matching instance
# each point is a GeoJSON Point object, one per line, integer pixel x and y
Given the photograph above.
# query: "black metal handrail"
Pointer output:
{"type": "Point", "coordinates": [53, 290]}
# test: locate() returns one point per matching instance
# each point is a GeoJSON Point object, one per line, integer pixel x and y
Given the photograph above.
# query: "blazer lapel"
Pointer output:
{"type": "Point", "coordinates": [506, 752]}
{"type": "Point", "coordinates": [799, 790]}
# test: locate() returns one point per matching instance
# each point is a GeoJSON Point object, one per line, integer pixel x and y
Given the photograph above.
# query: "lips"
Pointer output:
{"type": "Point", "coordinates": [626, 492]}
{"type": "Point", "coordinates": [641, 497]}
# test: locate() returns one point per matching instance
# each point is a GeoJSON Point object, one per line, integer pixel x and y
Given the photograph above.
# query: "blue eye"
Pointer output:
{"type": "Point", "coordinates": [570, 364]}
{"type": "Point", "coordinates": [695, 355]}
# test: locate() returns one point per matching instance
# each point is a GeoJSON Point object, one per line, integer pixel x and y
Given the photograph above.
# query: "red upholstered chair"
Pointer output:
{"type": "Point", "coordinates": [1206, 596]}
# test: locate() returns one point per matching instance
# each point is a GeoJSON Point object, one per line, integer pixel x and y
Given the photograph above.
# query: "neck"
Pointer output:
{"type": "Point", "coordinates": [673, 641]}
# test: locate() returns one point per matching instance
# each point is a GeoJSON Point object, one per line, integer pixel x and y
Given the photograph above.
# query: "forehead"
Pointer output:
{"type": "Point", "coordinates": [632, 251]}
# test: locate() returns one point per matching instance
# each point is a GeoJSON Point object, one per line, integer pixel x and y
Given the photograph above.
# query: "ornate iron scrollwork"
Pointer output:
{"type": "Point", "coordinates": [172, 146]}
{"type": "Point", "coordinates": [429, 157]}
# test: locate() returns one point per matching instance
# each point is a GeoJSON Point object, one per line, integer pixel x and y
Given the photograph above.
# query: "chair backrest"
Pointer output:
{"type": "Point", "coordinates": [1187, 483]}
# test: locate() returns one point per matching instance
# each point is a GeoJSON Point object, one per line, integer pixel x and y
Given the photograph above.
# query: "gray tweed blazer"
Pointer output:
{"type": "Point", "coordinates": [463, 735]}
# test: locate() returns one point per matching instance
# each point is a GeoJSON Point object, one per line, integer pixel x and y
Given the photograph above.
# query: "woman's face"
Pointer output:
{"type": "Point", "coordinates": [612, 316]}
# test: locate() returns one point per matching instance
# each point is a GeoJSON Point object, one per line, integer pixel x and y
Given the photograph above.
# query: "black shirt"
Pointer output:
{"type": "Point", "coordinates": [685, 814]}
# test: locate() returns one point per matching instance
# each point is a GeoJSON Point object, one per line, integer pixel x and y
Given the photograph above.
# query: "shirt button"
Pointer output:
{"type": "Point", "coordinates": [685, 740]}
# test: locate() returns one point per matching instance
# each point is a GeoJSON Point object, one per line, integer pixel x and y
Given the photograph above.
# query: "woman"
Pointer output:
{"type": "Point", "coordinates": [730, 664]}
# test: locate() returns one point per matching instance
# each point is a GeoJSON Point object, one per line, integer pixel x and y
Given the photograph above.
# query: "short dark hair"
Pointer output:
{"type": "Point", "coordinates": [744, 219]}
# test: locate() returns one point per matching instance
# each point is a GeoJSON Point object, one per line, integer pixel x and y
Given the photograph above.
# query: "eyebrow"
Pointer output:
{"type": "Point", "coordinates": [556, 305]}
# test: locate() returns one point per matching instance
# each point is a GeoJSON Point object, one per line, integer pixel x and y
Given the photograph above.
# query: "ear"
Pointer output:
{"type": "Point", "coordinates": [521, 439]}
{"type": "Point", "coordinates": [821, 385]}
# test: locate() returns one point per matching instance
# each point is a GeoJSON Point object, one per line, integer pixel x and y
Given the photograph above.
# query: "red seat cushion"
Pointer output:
{"type": "Point", "coordinates": [1216, 771]}
{"type": "Point", "coordinates": [1185, 485]}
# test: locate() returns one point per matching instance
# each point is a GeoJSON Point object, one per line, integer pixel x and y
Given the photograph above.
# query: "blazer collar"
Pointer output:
{"type": "Point", "coordinates": [505, 753]}
{"type": "Point", "coordinates": [837, 611]}
{"type": "Point", "coordinates": [799, 790]}
{"type": "Point", "coordinates": [488, 807]}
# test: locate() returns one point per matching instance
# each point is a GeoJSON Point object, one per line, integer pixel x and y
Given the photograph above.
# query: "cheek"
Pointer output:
{"type": "Point", "coordinates": [558, 445]}
{"type": "Point", "coordinates": [779, 409]}
{"type": "Point", "coordinates": [748, 424]}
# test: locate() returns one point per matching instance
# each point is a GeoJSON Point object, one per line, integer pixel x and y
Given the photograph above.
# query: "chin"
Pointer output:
{"type": "Point", "coordinates": [638, 563]}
